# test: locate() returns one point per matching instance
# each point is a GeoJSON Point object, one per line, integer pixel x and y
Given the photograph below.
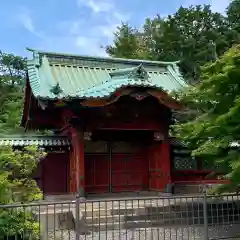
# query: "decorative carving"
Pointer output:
{"type": "Point", "coordinates": [132, 73]}
{"type": "Point", "coordinates": [139, 72]}
{"type": "Point", "coordinates": [139, 96]}
{"type": "Point", "coordinates": [56, 89]}
{"type": "Point", "coordinates": [182, 163]}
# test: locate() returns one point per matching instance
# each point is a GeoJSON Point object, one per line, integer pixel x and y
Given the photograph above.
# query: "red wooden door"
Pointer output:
{"type": "Point", "coordinates": [54, 168]}
{"type": "Point", "coordinates": [159, 167]}
{"type": "Point", "coordinates": [96, 173]}
{"type": "Point", "coordinates": [122, 168]}
{"type": "Point", "coordinates": [128, 173]}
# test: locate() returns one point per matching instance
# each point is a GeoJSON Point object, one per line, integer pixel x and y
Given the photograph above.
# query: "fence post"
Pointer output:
{"type": "Point", "coordinates": [205, 215]}
{"type": "Point", "coordinates": [77, 220]}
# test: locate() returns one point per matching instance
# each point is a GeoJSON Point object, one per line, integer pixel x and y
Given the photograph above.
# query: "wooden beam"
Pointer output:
{"type": "Point", "coordinates": [136, 125]}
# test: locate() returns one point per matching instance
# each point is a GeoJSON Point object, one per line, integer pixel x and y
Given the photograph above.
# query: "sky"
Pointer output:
{"type": "Point", "coordinates": [77, 26]}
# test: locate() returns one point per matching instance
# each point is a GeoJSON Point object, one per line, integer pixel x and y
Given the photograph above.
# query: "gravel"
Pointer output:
{"type": "Point", "coordinates": [225, 232]}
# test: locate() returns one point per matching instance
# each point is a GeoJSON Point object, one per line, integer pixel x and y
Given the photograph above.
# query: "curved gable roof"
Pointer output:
{"type": "Point", "coordinates": [64, 76]}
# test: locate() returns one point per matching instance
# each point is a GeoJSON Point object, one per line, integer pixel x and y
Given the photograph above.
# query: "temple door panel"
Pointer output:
{"type": "Point", "coordinates": [159, 167]}
{"type": "Point", "coordinates": [97, 167]}
{"type": "Point", "coordinates": [96, 174]}
{"type": "Point", "coordinates": [55, 167]}
{"type": "Point", "coordinates": [128, 168]}
{"type": "Point", "coordinates": [115, 167]}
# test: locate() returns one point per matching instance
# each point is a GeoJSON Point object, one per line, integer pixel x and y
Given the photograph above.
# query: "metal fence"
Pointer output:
{"type": "Point", "coordinates": [163, 218]}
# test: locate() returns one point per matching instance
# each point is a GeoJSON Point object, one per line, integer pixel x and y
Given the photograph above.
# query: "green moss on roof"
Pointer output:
{"type": "Point", "coordinates": [65, 76]}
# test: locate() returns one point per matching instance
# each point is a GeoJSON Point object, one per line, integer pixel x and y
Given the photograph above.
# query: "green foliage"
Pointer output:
{"type": "Point", "coordinates": [217, 125]}
{"type": "Point", "coordinates": [193, 35]}
{"type": "Point", "coordinates": [12, 78]}
{"type": "Point", "coordinates": [125, 43]}
{"type": "Point", "coordinates": [17, 186]}
{"type": "Point", "coordinates": [11, 103]}
{"type": "Point", "coordinates": [12, 68]}
{"type": "Point", "coordinates": [233, 12]}
{"type": "Point", "coordinates": [17, 166]}
{"type": "Point", "coordinates": [18, 222]}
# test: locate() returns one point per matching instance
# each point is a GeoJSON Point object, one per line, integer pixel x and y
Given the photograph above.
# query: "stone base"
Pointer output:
{"type": "Point", "coordinates": [127, 195]}
{"type": "Point", "coordinates": [63, 197]}
{"type": "Point", "coordinates": [193, 188]}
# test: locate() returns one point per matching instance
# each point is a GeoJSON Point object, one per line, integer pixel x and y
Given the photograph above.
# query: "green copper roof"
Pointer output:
{"type": "Point", "coordinates": [64, 76]}
{"type": "Point", "coordinates": [41, 141]}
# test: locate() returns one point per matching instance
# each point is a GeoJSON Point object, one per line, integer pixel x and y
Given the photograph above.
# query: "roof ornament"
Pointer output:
{"type": "Point", "coordinates": [36, 58]}
{"type": "Point", "coordinates": [56, 90]}
{"type": "Point", "coordinates": [131, 73]}
{"type": "Point", "coordinates": [139, 72]}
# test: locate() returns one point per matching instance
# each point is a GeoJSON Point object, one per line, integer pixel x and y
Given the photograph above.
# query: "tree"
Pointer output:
{"type": "Point", "coordinates": [12, 68]}
{"type": "Point", "coordinates": [12, 79]}
{"type": "Point", "coordinates": [217, 99]}
{"type": "Point", "coordinates": [233, 14]}
{"type": "Point", "coordinates": [193, 35]}
{"type": "Point", "coordinates": [17, 166]}
{"type": "Point", "coordinates": [125, 43]}
{"type": "Point", "coordinates": [16, 185]}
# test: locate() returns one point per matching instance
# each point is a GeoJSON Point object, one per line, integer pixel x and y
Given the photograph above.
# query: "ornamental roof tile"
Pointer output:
{"type": "Point", "coordinates": [64, 76]}
{"type": "Point", "coordinates": [41, 141]}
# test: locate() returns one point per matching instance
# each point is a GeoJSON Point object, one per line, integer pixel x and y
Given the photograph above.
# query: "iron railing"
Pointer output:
{"type": "Point", "coordinates": [176, 217]}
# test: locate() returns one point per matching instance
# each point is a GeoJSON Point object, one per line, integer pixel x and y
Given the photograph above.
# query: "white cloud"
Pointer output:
{"type": "Point", "coordinates": [81, 41]}
{"type": "Point", "coordinates": [25, 19]}
{"type": "Point", "coordinates": [72, 44]}
{"type": "Point", "coordinates": [110, 17]}
{"type": "Point", "coordinates": [108, 30]}
{"type": "Point", "coordinates": [73, 27]}
{"type": "Point", "coordinates": [92, 46]}
{"type": "Point", "coordinates": [76, 35]}
{"type": "Point", "coordinates": [68, 37]}
{"type": "Point", "coordinates": [87, 37]}
{"type": "Point", "coordinates": [97, 6]}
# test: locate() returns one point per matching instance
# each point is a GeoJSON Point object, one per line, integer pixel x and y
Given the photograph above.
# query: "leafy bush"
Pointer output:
{"type": "Point", "coordinates": [18, 222]}
{"type": "Point", "coordinates": [17, 186]}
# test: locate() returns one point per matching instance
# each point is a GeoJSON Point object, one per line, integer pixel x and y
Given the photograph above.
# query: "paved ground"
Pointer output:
{"type": "Point", "coordinates": [227, 232]}
{"type": "Point", "coordinates": [181, 233]}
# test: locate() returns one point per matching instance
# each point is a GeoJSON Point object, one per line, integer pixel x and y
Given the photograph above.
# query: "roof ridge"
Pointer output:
{"type": "Point", "coordinates": [110, 59]}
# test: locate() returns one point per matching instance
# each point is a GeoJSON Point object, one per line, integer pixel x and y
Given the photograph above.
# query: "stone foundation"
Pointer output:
{"type": "Point", "coordinates": [193, 188]}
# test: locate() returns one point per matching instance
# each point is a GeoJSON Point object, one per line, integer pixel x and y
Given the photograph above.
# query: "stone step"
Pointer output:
{"type": "Point", "coordinates": [149, 211]}
{"type": "Point", "coordinates": [145, 221]}
{"type": "Point", "coordinates": [128, 221]}
{"type": "Point", "coordinates": [170, 217]}
{"type": "Point", "coordinates": [137, 225]}
{"type": "Point", "coordinates": [60, 197]}
{"type": "Point", "coordinates": [150, 223]}
{"type": "Point", "coordinates": [136, 210]}
{"type": "Point", "coordinates": [125, 218]}
{"type": "Point", "coordinates": [122, 225]}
